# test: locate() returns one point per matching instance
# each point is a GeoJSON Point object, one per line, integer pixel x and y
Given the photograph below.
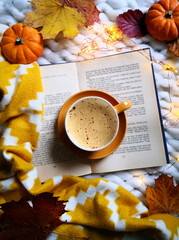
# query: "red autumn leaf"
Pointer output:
{"type": "Point", "coordinates": [20, 221]}
{"type": "Point", "coordinates": [132, 23]}
{"type": "Point", "coordinates": [164, 198]}
{"type": "Point", "coordinates": [86, 7]}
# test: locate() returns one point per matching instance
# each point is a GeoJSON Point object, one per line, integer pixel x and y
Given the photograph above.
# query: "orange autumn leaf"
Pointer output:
{"type": "Point", "coordinates": [164, 198]}
{"type": "Point", "coordinates": [173, 47]}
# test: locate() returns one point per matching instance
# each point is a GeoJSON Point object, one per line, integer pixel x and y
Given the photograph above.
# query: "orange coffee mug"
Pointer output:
{"type": "Point", "coordinates": [91, 132]}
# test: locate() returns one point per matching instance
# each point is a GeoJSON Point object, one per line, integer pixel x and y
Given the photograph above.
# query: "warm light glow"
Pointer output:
{"type": "Point", "coordinates": [113, 32]}
{"type": "Point", "coordinates": [112, 35]}
{"type": "Point", "coordinates": [137, 48]}
{"type": "Point", "coordinates": [89, 47]}
{"type": "Point", "coordinates": [175, 112]}
{"type": "Point", "coordinates": [167, 67]}
{"type": "Point", "coordinates": [141, 180]}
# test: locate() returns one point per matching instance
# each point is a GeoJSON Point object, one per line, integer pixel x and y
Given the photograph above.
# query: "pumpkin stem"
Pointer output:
{"type": "Point", "coordinates": [168, 14]}
{"type": "Point", "coordinates": [19, 41]}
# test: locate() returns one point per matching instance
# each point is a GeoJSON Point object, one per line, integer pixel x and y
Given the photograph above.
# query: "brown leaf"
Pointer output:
{"type": "Point", "coordinates": [86, 7]}
{"type": "Point", "coordinates": [173, 47]}
{"type": "Point", "coordinates": [22, 221]}
{"type": "Point", "coordinates": [164, 198]}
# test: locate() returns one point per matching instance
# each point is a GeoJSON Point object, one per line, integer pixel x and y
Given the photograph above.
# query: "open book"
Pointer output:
{"type": "Point", "coordinates": [124, 76]}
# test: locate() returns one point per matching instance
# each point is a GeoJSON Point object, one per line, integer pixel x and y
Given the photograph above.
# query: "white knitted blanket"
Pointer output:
{"type": "Point", "coordinates": [64, 50]}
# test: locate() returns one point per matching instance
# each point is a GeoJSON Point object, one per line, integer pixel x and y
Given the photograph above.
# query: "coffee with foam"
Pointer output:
{"type": "Point", "coordinates": [92, 123]}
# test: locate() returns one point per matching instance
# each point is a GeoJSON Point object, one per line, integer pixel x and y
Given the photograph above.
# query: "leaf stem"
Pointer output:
{"type": "Point", "coordinates": [69, 4]}
{"type": "Point", "coordinates": [63, 3]}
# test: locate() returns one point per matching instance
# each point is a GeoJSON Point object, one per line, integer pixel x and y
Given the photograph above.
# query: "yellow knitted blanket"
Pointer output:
{"type": "Point", "coordinates": [97, 209]}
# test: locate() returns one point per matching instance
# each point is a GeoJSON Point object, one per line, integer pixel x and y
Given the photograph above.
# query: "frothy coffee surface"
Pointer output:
{"type": "Point", "coordinates": [91, 123]}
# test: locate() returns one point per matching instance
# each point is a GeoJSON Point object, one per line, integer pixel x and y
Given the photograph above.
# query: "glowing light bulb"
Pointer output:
{"type": "Point", "coordinates": [113, 32]}
{"type": "Point", "coordinates": [166, 67]}
{"type": "Point", "coordinates": [141, 180]}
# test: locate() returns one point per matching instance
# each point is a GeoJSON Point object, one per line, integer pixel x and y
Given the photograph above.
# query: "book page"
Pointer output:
{"type": "Point", "coordinates": [51, 157]}
{"type": "Point", "coordinates": [128, 76]}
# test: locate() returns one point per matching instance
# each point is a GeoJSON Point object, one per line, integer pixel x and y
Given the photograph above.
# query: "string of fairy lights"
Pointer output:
{"type": "Point", "coordinates": [141, 178]}
{"type": "Point", "coordinates": [112, 34]}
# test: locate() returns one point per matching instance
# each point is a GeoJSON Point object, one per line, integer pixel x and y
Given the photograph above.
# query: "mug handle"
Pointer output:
{"type": "Point", "coordinates": [122, 106]}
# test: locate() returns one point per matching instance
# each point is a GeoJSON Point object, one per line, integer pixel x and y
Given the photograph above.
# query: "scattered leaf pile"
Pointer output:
{"type": "Point", "coordinates": [21, 221]}
{"type": "Point", "coordinates": [52, 17]}
{"type": "Point", "coordinates": [37, 218]}
{"type": "Point", "coordinates": [164, 198]}
{"type": "Point", "coordinates": [61, 16]}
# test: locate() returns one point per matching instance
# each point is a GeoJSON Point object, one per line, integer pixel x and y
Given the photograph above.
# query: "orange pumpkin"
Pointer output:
{"type": "Point", "coordinates": [21, 44]}
{"type": "Point", "coordinates": [162, 20]}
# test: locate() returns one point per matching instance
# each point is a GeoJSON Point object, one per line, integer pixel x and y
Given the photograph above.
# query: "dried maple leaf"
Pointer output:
{"type": "Point", "coordinates": [86, 7]}
{"type": "Point", "coordinates": [53, 17]}
{"type": "Point", "coordinates": [21, 221]}
{"type": "Point", "coordinates": [132, 23]}
{"type": "Point", "coordinates": [165, 197]}
{"type": "Point", "coordinates": [173, 47]}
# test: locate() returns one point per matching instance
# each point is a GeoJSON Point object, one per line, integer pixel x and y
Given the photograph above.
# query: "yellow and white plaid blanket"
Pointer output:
{"type": "Point", "coordinates": [96, 208]}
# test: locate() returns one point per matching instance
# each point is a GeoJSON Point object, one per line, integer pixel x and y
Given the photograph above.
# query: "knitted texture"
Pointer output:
{"type": "Point", "coordinates": [95, 203]}
{"type": "Point", "coordinates": [13, 11]}
{"type": "Point", "coordinates": [21, 110]}
{"type": "Point", "coordinates": [64, 50]}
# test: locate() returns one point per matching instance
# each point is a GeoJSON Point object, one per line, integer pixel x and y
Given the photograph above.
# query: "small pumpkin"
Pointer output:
{"type": "Point", "coordinates": [21, 44]}
{"type": "Point", "coordinates": [162, 20]}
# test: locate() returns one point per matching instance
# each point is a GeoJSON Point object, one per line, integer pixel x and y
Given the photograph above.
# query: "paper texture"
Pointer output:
{"type": "Point", "coordinates": [51, 157]}
{"type": "Point", "coordinates": [128, 76]}
{"type": "Point", "coordinates": [125, 76]}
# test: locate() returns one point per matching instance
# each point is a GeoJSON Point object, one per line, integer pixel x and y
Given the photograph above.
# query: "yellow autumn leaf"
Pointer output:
{"type": "Point", "coordinates": [54, 18]}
